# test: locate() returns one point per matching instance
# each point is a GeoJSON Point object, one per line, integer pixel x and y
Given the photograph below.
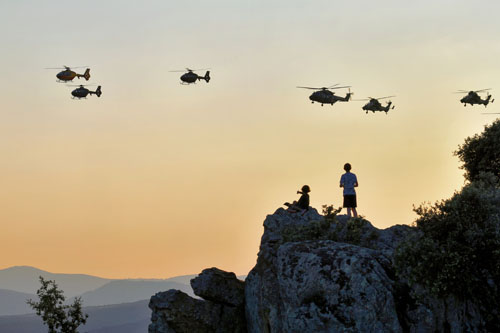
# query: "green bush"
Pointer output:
{"type": "Point", "coordinates": [481, 153]}
{"type": "Point", "coordinates": [58, 317]}
{"type": "Point", "coordinates": [457, 248]}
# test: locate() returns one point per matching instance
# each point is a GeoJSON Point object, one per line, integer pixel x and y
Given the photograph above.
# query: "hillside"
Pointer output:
{"type": "Point", "coordinates": [122, 318]}
{"type": "Point", "coordinates": [14, 302]}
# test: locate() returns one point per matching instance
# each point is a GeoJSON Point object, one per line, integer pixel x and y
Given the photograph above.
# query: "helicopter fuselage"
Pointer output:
{"type": "Point", "coordinates": [66, 75]}
{"type": "Point", "coordinates": [374, 105]}
{"type": "Point", "coordinates": [191, 77]}
{"type": "Point", "coordinates": [69, 75]}
{"type": "Point", "coordinates": [325, 96]}
{"type": "Point", "coordinates": [82, 92]}
{"type": "Point", "coordinates": [473, 98]}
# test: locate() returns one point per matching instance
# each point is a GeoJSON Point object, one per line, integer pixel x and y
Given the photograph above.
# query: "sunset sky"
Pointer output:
{"type": "Point", "coordinates": [156, 179]}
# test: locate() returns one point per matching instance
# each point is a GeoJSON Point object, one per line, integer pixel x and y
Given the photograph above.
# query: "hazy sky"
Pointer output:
{"type": "Point", "coordinates": [156, 179]}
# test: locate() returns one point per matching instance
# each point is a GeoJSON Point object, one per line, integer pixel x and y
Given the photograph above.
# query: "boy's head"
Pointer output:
{"type": "Point", "coordinates": [347, 167]}
{"type": "Point", "coordinates": [306, 189]}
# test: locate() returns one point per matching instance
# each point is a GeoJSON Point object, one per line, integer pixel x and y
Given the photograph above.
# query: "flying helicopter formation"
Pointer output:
{"type": "Point", "coordinates": [67, 75]}
{"type": "Point", "coordinates": [323, 95]}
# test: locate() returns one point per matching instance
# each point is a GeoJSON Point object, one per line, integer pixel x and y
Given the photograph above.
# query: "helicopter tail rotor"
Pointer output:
{"type": "Point", "coordinates": [86, 75]}
{"type": "Point", "coordinates": [98, 91]}
{"type": "Point", "coordinates": [207, 76]}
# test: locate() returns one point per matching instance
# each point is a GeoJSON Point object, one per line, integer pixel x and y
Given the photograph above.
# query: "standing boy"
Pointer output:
{"type": "Point", "coordinates": [349, 181]}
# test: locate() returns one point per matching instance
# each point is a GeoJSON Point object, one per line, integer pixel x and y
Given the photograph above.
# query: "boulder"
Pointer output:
{"type": "Point", "coordinates": [220, 287]}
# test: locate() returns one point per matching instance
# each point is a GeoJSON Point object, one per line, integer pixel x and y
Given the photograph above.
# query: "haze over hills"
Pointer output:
{"type": "Point", "coordinates": [25, 279]}
{"type": "Point", "coordinates": [14, 302]}
{"type": "Point", "coordinates": [125, 291]}
{"type": "Point", "coordinates": [121, 318]}
{"type": "Point", "coordinates": [17, 284]}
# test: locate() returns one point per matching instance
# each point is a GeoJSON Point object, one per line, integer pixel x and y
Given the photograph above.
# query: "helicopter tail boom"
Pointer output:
{"type": "Point", "coordinates": [487, 100]}
{"type": "Point", "coordinates": [85, 75]}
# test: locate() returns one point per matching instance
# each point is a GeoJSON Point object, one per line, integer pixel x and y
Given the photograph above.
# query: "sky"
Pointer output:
{"type": "Point", "coordinates": [155, 179]}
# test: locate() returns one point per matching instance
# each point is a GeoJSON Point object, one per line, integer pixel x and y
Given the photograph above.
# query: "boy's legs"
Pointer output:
{"type": "Point", "coordinates": [354, 212]}
{"type": "Point", "coordinates": [349, 211]}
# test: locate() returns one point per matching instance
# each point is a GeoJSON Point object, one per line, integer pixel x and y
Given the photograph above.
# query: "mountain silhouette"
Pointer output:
{"type": "Point", "coordinates": [25, 279]}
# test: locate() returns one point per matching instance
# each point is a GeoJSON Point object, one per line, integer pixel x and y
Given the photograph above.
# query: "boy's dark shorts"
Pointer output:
{"type": "Point", "coordinates": [350, 201]}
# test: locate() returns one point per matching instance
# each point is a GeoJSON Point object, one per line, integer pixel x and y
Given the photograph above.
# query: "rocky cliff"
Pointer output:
{"type": "Point", "coordinates": [314, 273]}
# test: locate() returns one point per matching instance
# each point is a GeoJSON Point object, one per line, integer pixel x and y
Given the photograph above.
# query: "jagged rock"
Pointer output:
{"type": "Point", "coordinates": [308, 279]}
{"type": "Point", "coordinates": [177, 312]}
{"type": "Point", "coordinates": [222, 310]}
{"type": "Point", "coordinates": [219, 286]}
{"type": "Point", "coordinates": [324, 286]}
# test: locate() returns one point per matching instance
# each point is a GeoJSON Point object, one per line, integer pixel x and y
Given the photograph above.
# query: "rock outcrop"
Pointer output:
{"type": "Point", "coordinates": [314, 273]}
{"type": "Point", "coordinates": [222, 310]}
{"type": "Point", "coordinates": [319, 275]}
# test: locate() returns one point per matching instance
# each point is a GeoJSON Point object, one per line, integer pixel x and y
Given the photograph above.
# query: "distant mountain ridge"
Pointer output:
{"type": "Point", "coordinates": [25, 279]}
{"type": "Point", "coordinates": [19, 283]}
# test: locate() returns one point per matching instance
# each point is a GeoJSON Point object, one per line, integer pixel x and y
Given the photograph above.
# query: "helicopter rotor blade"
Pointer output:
{"type": "Point", "coordinates": [385, 97]}
{"type": "Point", "coordinates": [310, 88]}
{"type": "Point", "coordinates": [67, 67]}
{"type": "Point", "coordinates": [482, 90]}
{"type": "Point", "coordinates": [339, 87]}
{"type": "Point", "coordinates": [177, 71]}
{"type": "Point", "coordinates": [490, 113]}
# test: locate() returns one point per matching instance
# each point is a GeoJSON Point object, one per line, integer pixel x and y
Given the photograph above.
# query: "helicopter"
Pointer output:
{"type": "Point", "coordinates": [325, 96]}
{"type": "Point", "coordinates": [473, 97]}
{"type": "Point", "coordinates": [191, 77]}
{"type": "Point", "coordinates": [82, 92]}
{"type": "Point", "coordinates": [374, 105]}
{"type": "Point", "coordinates": [68, 75]}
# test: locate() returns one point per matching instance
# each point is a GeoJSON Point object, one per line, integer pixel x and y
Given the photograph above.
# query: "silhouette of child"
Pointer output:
{"type": "Point", "coordinates": [303, 204]}
{"type": "Point", "coordinates": [349, 181]}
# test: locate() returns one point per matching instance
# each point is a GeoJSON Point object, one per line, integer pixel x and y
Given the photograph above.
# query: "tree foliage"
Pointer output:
{"type": "Point", "coordinates": [481, 153]}
{"type": "Point", "coordinates": [456, 249]}
{"type": "Point", "coordinates": [58, 317]}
